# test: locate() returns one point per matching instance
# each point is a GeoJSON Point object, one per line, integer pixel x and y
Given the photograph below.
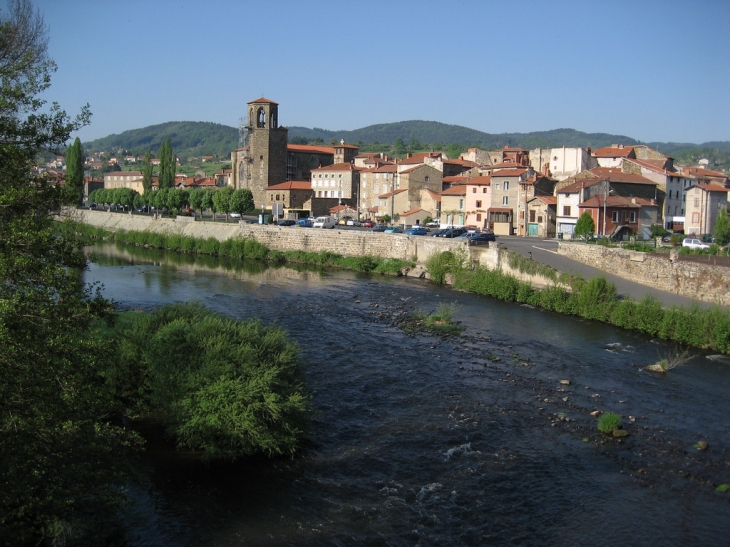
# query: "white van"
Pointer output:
{"type": "Point", "coordinates": [324, 222]}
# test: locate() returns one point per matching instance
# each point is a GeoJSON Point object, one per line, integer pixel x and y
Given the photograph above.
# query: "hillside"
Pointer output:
{"type": "Point", "coordinates": [205, 138]}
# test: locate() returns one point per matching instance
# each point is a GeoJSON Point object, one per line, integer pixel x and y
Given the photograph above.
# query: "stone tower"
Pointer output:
{"type": "Point", "coordinates": [261, 160]}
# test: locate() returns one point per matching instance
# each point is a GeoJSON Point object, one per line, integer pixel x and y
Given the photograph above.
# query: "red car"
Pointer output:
{"type": "Point", "coordinates": [368, 223]}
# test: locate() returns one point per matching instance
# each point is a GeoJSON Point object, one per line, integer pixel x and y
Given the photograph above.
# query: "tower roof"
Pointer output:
{"type": "Point", "coordinates": [263, 100]}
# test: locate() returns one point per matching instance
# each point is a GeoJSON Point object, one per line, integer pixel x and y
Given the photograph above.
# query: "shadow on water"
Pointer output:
{"type": "Point", "coordinates": [418, 440]}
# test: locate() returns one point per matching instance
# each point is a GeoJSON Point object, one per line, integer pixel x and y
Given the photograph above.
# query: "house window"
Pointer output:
{"type": "Point", "coordinates": [479, 217]}
{"type": "Point", "coordinates": [473, 190]}
{"type": "Point", "coordinates": [461, 204]}
{"type": "Point", "coordinates": [532, 216]}
{"type": "Point", "coordinates": [497, 186]}
{"type": "Point", "coordinates": [505, 200]}
{"type": "Point", "coordinates": [614, 216]}
{"type": "Point", "coordinates": [566, 210]}
{"type": "Point", "coordinates": [484, 190]}
{"type": "Point", "coordinates": [506, 185]}
{"type": "Point", "coordinates": [633, 217]}
{"type": "Point", "coordinates": [479, 204]}
{"type": "Point", "coordinates": [695, 218]}
{"type": "Point", "coordinates": [697, 202]}
{"type": "Point", "coordinates": [425, 179]}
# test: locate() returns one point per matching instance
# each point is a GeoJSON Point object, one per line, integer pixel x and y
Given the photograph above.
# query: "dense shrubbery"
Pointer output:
{"type": "Point", "coordinates": [230, 388]}
{"type": "Point", "coordinates": [596, 300]}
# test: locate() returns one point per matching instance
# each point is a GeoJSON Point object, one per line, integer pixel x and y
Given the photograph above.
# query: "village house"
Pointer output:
{"type": "Point", "coordinates": [453, 206]}
{"type": "Point", "coordinates": [478, 199]}
{"type": "Point", "coordinates": [504, 210]}
{"type": "Point", "coordinates": [392, 204]}
{"type": "Point", "coordinates": [375, 182]}
{"type": "Point", "coordinates": [533, 185]}
{"type": "Point", "coordinates": [541, 214]}
{"type": "Point", "coordinates": [616, 216]}
{"type": "Point", "coordinates": [614, 155]}
{"type": "Point", "coordinates": [124, 179]}
{"type": "Point", "coordinates": [703, 203]}
{"type": "Point", "coordinates": [562, 163]}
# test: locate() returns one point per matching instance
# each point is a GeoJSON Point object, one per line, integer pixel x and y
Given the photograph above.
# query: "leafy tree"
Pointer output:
{"type": "Point", "coordinates": [196, 199]}
{"type": "Point", "coordinates": [207, 201]}
{"type": "Point", "coordinates": [147, 174]}
{"type": "Point", "coordinates": [585, 227]}
{"type": "Point", "coordinates": [62, 459]}
{"type": "Point", "coordinates": [75, 172]}
{"type": "Point", "coordinates": [222, 200]}
{"type": "Point", "coordinates": [242, 201]}
{"type": "Point", "coordinates": [721, 233]}
{"type": "Point", "coordinates": [399, 147]}
{"type": "Point", "coordinates": [167, 165]}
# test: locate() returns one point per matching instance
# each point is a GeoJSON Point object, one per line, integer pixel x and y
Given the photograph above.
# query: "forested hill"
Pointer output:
{"type": "Point", "coordinates": [205, 138]}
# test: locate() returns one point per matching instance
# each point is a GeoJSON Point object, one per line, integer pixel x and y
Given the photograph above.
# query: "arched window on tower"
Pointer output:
{"type": "Point", "coordinates": [261, 122]}
{"type": "Point", "coordinates": [250, 117]}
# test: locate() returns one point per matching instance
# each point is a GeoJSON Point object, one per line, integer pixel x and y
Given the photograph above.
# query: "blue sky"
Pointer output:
{"type": "Point", "coordinates": [653, 70]}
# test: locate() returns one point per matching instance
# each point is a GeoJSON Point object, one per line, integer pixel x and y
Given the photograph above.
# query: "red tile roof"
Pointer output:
{"type": "Point", "coordinates": [549, 200]}
{"type": "Point", "coordinates": [613, 151]}
{"type": "Point", "coordinates": [577, 186]}
{"type": "Point", "coordinates": [413, 212]}
{"type": "Point", "coordinates": [458, 190]}
{"type": "Point", "coordinates": [710, 187]}
{"type": "Point", "coordinates": [434, 195]}
{"type": "Point", "coordinates": [291, 185]}
{"type": "Point", "coordinates": [617, 201]}
{"type": "Point", "coordinates": [454, 179]}
{"type": "Point", "coordinates": [509, 172]}
{"type": "Point", "coordinates": [263, 100]}
{"type": "Point", "coordinates": [307, 148]}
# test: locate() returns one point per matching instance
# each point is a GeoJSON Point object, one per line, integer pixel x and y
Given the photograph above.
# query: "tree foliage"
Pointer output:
{"type": "Point", "coordinates": [147, 173]}
{"type": "Point", "coordinates": [721, 233]}
{"type": "Point", "coordinates": [242, 201]}
{"type": "Point", "coordinates": [167, 165]}
{"type": "Point", "coordinates": [231, 388]}
{"type": "Point", "coordinates": [60, 453]}
{"type": "Point", "coordinates": [585, 227]}
{"type": "Point", "coordinates": [75, 172]}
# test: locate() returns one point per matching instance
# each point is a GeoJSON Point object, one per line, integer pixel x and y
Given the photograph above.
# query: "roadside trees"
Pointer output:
{"type": "Point", "coordinates": [167, 165]}
{"type": "Point", "coordinates": [241, 201]}
{"type": "Point", "coordinates": [222, 200]}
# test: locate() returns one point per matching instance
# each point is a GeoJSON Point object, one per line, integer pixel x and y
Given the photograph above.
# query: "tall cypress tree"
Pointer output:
{"type": "Point", "coordinates": [75, 172]}
{"type": "Point", "coordinates": [167, 165]}
{"type": "Point", "coordinates": [147, 175]}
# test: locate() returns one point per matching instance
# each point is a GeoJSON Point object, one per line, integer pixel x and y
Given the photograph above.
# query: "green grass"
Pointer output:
{"type": "Point", "coordinates": [609, 422]}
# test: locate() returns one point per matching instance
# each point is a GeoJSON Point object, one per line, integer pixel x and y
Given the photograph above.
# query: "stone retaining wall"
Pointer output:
{"type": "Point", "coordinates": [279, 238]}
{"type": "Point", "coordinates": [709, 283]}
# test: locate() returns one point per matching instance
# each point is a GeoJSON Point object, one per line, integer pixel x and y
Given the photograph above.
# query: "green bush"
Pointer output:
{"type": "Point", "coordinates": [208, 246]}
{"type": "Point", "coordinates": [596, 299]}
{"type": "Point", "coordinates": [609, 422]}
{"type": "Point", "coordinates": [231, 388]}
{"type": "Point", "coordinates": [255, 250]}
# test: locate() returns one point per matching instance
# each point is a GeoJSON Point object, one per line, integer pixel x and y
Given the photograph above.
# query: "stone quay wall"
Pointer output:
{"type": "Point", "coordinates": [706, 282]}
{"type": "Point", "coordinates": [278, 238]}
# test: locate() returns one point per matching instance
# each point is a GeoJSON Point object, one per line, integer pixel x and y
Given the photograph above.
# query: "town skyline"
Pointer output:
{"type": "Point", "coordinates": [654, 70]}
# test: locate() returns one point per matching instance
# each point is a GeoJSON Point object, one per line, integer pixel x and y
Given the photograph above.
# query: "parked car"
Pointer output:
{"type": "Point", "coordinates": [353, 222]}
{"type": "Point", "coordinates": [286, 222]}
{"type": "Point", "coordinates": [482, 238]}
{"type": "Point", "coordinates": [453, 232]}
{"type": "Point", "coordinates": [394, 230]}
{"type": "Point", "coordinates": [379, 228]}
{"type": "Point", "coordinates": [434, 223]}
{"type": "Point", "coordinates": [305, 222]}
{"type": "Point", "coordinates": [437, 233]}
{"type": "Point", "coordinates": [234, 215]}
{"type": "Point", "coordinates": [91, 205]}
{"type": "Point", "coordinates": [368, 223]}
{"type": "Point", "coordinates": [692, 243]}
{"type": "Point", "coordinates": [417, 231]}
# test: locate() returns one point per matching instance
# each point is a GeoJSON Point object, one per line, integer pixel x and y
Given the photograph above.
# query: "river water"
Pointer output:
{"type": "Point", "coordinates": [418, 440]}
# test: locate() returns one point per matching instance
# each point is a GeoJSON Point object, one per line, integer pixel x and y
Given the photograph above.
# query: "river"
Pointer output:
{"type": "Point", "coordinates": [419, 441]}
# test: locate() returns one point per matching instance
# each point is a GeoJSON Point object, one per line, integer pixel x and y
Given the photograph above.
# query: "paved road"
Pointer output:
{"type": "Point", "coordinates": [544, 250]}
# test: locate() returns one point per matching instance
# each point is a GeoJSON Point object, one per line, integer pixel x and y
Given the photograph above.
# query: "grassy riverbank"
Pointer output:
{"type": "Point", "coordinates": [240, 248]}
{"type": "Point", "coordinates": [596, 299]}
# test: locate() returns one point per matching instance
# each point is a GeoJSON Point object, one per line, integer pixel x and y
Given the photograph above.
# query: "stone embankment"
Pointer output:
{"type": "Point", "coordinates": [343, 242]}
{"type": "Point", "coordinates": [709, 282]}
